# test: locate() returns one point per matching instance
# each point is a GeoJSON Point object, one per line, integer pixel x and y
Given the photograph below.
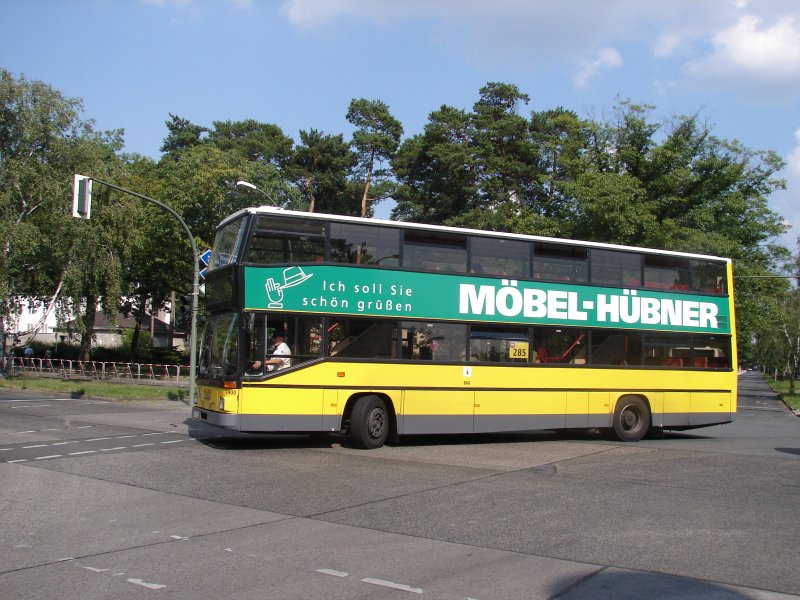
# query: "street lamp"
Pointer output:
{"type": "Point", "coordinates": [250, 186]}
{"type": "Point", "coordinates": [82, 200]}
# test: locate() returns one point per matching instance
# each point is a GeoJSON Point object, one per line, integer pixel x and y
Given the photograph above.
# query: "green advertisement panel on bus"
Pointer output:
{"type": "Point", "coordinates": [412, 295]}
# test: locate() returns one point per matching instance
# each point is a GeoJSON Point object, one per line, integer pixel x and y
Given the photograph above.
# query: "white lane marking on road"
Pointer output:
{"type": "Point", "coordinates": [84, 426]}
{"type": "Point", "coordinates": [46, 457]}
{"type": "Point", "coordinates": [37, 446]}
{"type": "Point", "coordinates": [54, 429]}
{"type": "Point", "coordinates": [172, 442]}
{"type": "Point", "coordinates": [152, 586]}
{"type": "Point", "coordinates": [393, 585]}
{"type": "Point", "coordinates": [35, 400]}
{"type": "Point", "coordinates": [84, 452]}
{"type": "Point", "coordinates": [140, 445]}
{"type": "Point", "coordinates": [333, 572]}
{"type": "Point", "coordinates": [61, 443]}
{"type": "Point", "coordinates": [110, 449]}
{"type": "Point", "coordinates": [178, 537]}
{"type": "Point", "coordinates": [97, 439]}
{"type": "Point", "coordinates": [18, 460]}
{"type": "Point", "coordinates": [96, 570]}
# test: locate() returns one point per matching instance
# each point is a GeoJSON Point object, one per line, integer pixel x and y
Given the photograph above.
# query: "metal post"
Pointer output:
{"type": "Point", "coordinates": [195, 283]}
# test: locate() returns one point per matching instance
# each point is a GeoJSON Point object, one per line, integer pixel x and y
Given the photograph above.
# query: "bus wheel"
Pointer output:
{"type": "Point", "coordinates": [631, 419]}
{"type": "Point", "coordinates": [369, 423]}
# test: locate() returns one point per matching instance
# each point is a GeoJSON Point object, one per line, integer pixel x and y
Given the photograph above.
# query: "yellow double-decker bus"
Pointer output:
{"type": "Point", "coordinates": [380, 329]}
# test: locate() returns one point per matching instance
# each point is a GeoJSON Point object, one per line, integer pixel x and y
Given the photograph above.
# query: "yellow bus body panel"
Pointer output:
{"type": "Point", "coordinates": [481, 397]}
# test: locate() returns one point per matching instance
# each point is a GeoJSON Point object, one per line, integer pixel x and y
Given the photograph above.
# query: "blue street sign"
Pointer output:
{"type": "Point", "coordinates": [205, 257]}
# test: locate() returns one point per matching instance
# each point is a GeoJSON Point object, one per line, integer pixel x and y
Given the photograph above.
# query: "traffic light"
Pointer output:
{"type": "Point", "coordinates": [183, 313]}
{"type": "Point", "coordinates": [82, 197]}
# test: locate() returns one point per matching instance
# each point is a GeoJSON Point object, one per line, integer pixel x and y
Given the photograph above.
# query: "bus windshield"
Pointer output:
{"type": "Point", "coordinates": [219, 351]}
{"type": "Point", "coordinates": [227, 243]}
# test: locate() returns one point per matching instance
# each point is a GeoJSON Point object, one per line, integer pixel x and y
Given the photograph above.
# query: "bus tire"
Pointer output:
{"type": "Point", "coordinates": [369, 423]}
{"type": "Point", "coordinates": [631, 419]}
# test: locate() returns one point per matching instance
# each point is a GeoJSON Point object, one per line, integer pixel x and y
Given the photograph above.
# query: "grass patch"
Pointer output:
{"type": "Point", "coordinates": [782, 387]}
{"type": "Point", "coordinates": [97, 389]}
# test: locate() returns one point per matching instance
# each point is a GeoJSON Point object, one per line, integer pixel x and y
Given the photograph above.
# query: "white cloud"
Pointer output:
{"type": "Point", "coordinates": [759, 60]}
{"type": "Point", "coordinates": [785, 202]}
{"type": "Point", "coordinates": [750, 48]}
{"type": "Point", "coordinates": [603, 59]}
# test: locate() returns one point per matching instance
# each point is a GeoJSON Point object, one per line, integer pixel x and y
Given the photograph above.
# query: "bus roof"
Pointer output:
{"type": "Point", "coordinates": [263, 210]}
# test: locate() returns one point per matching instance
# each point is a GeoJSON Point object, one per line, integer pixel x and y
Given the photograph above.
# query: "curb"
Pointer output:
{"type": "Point", "coordinates": [795, 411]}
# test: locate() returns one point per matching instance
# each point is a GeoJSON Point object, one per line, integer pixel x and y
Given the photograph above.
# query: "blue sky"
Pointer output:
{"type": "Point", "coordinates": [298, 63]}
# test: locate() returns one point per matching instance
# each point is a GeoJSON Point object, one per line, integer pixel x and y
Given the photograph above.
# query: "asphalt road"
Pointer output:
{"type": "Point", "coordinates": [134, 500]}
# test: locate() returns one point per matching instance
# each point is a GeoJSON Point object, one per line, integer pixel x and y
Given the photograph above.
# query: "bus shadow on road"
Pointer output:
{"type": "Point", "coordinates": [795, 451]}
{"type": "Point", "coordinates": [231, 440]}
{"type": "Point", "coordinates": [614, 584]}
{"type": "Point", "coordinates": [259, 441]}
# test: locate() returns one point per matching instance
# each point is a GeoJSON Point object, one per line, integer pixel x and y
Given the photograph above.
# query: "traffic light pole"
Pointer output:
{"type": "Point", "coordinates": [195, 281]}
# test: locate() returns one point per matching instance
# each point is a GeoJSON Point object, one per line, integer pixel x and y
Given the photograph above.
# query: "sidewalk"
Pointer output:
{"type": "Point", "coordinates": [754, 389]}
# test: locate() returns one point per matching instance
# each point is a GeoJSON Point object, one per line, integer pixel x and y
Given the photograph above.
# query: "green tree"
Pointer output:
{"type": "Point", "coordinates": [43, 142]}
{"type": "Point", "coordinates": [201, 187]}
{"type": "Point", "coordinates": [375, 140]}
{"type": "Point", "coordinates": [93, 278]}
{"type": "Point", "coordinates": [504, 152]}
{"type": "Point", "coordinates": [183, 134]}
{"type": "Point", "coordinates": [437, 170]}
{"type": "Point", "coordinates": [561, 139]}
{"type": "Point", "coordinates": [320, 166]}
{"type": "Point", "coordinates": [257, 142]}
{"type": "Point", "coordinates": [150, 274]}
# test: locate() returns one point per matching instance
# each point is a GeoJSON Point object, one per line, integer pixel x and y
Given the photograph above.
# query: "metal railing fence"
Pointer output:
{"type": "Point", "coordinates": [99, 370]}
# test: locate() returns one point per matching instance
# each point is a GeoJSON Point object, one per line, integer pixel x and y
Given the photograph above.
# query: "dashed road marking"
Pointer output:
{"type": "Point", "coordinates": [100, 439]}
{"type": "Point", "coordinates": [373, 581]}
{"type": "Point", "coordinates": [393, 585]}
{"type": "Point", "coordinates": [152, 586]}
{"type": "Point", "coordinates": [333, 572]}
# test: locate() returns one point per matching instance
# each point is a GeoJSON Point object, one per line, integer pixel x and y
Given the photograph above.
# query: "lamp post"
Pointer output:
{"type": "Point", "coordinates": [250, 186]}
{"type": "Point", "coordinates": [84, 212]}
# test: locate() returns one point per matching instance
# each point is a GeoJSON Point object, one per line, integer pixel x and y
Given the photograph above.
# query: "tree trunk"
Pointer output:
{"type": "Point", "coordinates": [136, 332]}
{"type": "Point", "coordinates": [88, 331]}
{"type": "Point", "coordinates": [365, 195]}
{"type": "Point", "coordinates": [312, 201]}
